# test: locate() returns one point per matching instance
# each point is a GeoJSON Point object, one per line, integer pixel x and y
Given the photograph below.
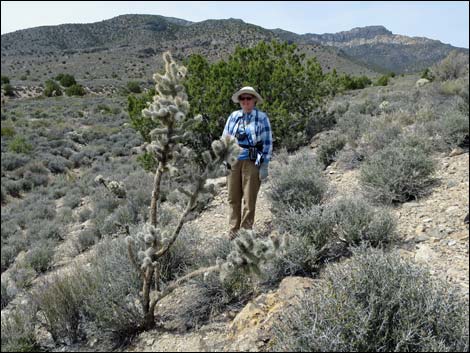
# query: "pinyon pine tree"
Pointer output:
{"type": "Point", "coordinates": [152, 241]}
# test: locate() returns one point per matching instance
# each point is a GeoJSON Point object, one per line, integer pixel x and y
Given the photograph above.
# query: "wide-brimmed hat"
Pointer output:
{"type": "Point", "coordinates": [247, 90]}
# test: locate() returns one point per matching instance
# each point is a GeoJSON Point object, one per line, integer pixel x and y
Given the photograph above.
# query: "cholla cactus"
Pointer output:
{"type": "Point", "coordinates": [169, 108]}
{"type": "Point", "coordinates": [116, 187]}
{"type": "Point", "coordinates": [150, 243]}
{"type": "Point", "coordinates": [250, 253]}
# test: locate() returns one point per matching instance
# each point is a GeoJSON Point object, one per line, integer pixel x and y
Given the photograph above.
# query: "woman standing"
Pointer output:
{"type": "Point", "coordinates": [252, 129]}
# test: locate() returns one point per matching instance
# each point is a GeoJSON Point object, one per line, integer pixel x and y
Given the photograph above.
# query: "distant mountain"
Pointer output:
{"type": "Point", "coordinates": [126, 47]}
{"type": "Point", "coordinates": [380, 49]}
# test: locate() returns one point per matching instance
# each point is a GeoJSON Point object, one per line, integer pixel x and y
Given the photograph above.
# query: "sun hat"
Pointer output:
{"type": "Point", "coordinates": [247, 90]}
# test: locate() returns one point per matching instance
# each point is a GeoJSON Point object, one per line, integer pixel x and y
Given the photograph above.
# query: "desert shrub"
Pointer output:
{"type": "Point", "coordinates": [427, 74]}
{"type": "Point", "coordinates": [57, 164]}
{"type": "Point", "coordinates": [114, 287]}
{"type": "Point", "coordinates": [18, 144]}
{"type": "Point", "coordinates": [5, 79]}
{"type": "Point", "coordinates": [75, 90]}
{"type": "Point", "coordinates": [8, 90]}
{"type": "Point", "coordinates": [6, 294]}
{"type": "Point", "coordinates": [382, 81]}
{"type": "Point", "coordinates": [86, 239]}
{"type": "Point", "coordinates": [61, 300]}
{"type": "Point", "coordinates": [36, 174]}
{"type": "Point", "coordinates": [355, 221]}
{"type": "Point", "coordinates": [66, 80]}
{"type": "Point", "coordinates": [12, 161]}
{"type": "Point", "coordinates": [8, 130]}
{"type": "Point", "coordinates": [453, 127]}
{"type": "Point", "coordinates": [22, 275]}
{"type": "Point", "coordinates": [349, 158]}
{"type": "Point", "coordinates": [40, 256]}
{"type": "Point", "coordinates": [72, 199]}
{"type": "Point", "coordinates": [12, 187]}
{"type": "Point", "coordinates": [3, 197]}
{"type": "Point", "coordinates": [328, 149]}
{"type": "Point", "coordinates": [298, 184]}
{"type": "Point", "coordinates": [42, 230]}
{"type": "Point", "coordinates": [397, 173]}
{"type": "Point", "coordinates": [381, 132]}
{"type": "Point", "coordinates": [52, 89]}
{"type": "Point", "coordinates": [352, 125]}
{"type": "Point", "coordinates": [18, 330]}
{"type": "Point", "coordinates": [323, 233]}
{"type": "Point", "coordinates": [455, 65]}
{"type": "Point", "coordinates": [133, 87]}
{"type": "Point", "coordinates": [375, 302]}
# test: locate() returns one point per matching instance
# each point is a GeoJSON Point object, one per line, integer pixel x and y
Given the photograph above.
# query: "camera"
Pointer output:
{"type": "Point", "coordinates": [241, 136]}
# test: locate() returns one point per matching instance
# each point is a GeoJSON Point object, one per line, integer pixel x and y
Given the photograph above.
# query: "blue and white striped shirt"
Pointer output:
{"type": "Point", "coordinates": [256, 131]}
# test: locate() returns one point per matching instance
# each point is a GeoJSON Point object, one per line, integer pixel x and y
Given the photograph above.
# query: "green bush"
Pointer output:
{"type": "Point", "coordinates": [397, 173]}
{"type": "Point", "coordinates": [75, 90]}
{"type": "Point", "coordinates": [52, 89]}
{"type": "Point", "coordinates": [8, 130]}
{"type": "Point", "coordinates": [8, 90]}
{"type": "Point", "coordinates": [66, 80]}
{"type": "Point", "coordinates": [298, 184]}
{"type": "Point", "coordinates": [290, 85]}
{"type": "Point", "coordinates": [134, 87]}
{"type": "Point", "coordinates": [382, 81]}
{"type": "Point", "coordinates": [5, 79]}
{"type": "Point", "coordinates": [19, 145]}
{"type": "Point", "coordinates": [427, 74]}
{"type": "Point", "coordinates": [375, 302]}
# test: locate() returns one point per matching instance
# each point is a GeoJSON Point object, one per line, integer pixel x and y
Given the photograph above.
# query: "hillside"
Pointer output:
{"type": "Point", "coordinates": [125, 47]}
{"type": "Point", "coordinates": [366, 204]}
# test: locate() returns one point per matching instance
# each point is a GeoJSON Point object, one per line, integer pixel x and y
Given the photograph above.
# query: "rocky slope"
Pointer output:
{"type": "Point", "coordinates": [432, 233]}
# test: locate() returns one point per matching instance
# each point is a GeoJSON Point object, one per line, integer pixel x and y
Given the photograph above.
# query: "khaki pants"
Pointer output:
{"type": "Point", "coordinates": [243, 182]}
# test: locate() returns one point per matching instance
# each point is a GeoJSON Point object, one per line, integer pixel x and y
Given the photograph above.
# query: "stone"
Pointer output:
{"type": "Point", "coordinates": [421, 82]}
{"type": "Point", "coordinates": [420, 229]}
{"type": "Point", "coordinates": [456, 151]}
{"type": "Point", "coordinates": [451, 243]}
{"type": "Point", "coordinates": [251, 328]}
{"type": "Point", "coordinates": [425, 254]}
{"type": "Point", "coordinates": [421, 238]}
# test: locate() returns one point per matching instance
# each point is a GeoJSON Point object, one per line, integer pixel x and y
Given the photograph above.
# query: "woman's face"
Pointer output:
{"type": "Point", "coordinates": [247, 102]}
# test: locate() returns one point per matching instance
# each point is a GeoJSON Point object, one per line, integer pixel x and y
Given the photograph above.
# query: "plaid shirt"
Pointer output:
{"type": "Point", "coordinates": [257, 128]}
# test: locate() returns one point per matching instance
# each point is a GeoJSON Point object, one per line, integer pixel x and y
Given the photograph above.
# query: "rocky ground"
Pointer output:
{"type": "Point", "coordinates": [432, 233]}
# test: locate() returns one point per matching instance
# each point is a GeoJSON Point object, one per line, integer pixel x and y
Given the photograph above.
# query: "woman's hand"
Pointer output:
{"type": "Point", "coordinates": [263, 171]}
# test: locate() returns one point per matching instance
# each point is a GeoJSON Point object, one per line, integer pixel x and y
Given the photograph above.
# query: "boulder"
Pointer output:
{"type": "Point", "coordinates": [251, 329]}
{"type": "Point", "coordinates": [421, 82]}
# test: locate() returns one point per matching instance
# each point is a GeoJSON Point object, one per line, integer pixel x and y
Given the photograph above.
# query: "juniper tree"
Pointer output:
{"type": "Point", "coordinates": [168, 145]}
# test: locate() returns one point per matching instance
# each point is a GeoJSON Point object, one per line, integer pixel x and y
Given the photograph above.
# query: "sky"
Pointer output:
{"type": "Point", "coordinates": [447, 21]}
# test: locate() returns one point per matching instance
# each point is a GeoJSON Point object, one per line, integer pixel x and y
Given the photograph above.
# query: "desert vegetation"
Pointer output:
{"type": "Point", "coordinates": [115, 180]}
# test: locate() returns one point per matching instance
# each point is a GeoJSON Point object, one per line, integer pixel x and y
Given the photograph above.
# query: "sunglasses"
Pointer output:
{"type": "Point", "coordinates": [248, 98]}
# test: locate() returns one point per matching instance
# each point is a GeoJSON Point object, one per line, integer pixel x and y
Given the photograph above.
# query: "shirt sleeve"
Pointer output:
{"type": "Point", "coordinates": [267, 138]}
